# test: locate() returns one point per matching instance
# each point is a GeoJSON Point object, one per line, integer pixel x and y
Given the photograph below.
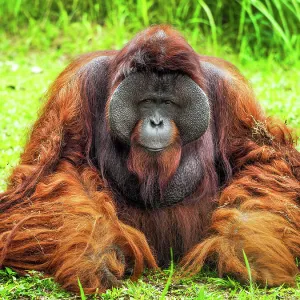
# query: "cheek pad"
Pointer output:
{"type": "Point", "coordinates": [194, 118]}
{"type": "Point", "coordinates": [123, 112]}
{"type": "Point", "coordinates": [122, 119]}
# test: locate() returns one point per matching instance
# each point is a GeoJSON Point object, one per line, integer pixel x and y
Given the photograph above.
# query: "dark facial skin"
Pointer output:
{"type": "Point", "coordinates": [156, 101]}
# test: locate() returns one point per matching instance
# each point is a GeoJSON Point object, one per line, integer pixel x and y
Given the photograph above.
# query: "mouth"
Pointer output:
{"type": "Point", "coordinates": [154, 149]}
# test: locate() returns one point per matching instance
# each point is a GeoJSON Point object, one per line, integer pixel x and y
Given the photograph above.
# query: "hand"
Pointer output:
{"type": "Point", "coordinates": [112, 266]}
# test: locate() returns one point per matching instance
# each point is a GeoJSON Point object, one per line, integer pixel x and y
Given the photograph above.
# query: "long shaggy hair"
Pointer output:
{"type": "Point", "coordinates": [60, 216]}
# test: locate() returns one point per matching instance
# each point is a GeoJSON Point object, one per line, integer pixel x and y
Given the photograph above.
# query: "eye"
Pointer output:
{"type": "Point", "coordinates": [146, 101]}
{"type": "Point", "coordinates": [168, 102]}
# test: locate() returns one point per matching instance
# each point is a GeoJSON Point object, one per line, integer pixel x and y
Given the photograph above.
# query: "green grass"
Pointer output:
{"type": "Point", "coordinates": [32, 286]}
{"type": "Point", "coordinates": [206, 285]}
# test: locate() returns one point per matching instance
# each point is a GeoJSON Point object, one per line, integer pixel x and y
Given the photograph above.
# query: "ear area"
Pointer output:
{"type": "Point", "coordinates": [64, 127]}
{"type": "Point", "coordinates": [231, 96]}
{"type": "Point", "coordinates": [233, 109]}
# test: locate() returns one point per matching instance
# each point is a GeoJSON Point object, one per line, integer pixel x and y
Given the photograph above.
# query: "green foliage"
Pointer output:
{"type": "Point", "coordinates": [251, 27]}
{"type": "Point", "coordinates": [249, 272]}
{"type": "Point", "coordinates": [82, 295]}
{"type": "Point", "coordinates": [169, 281]}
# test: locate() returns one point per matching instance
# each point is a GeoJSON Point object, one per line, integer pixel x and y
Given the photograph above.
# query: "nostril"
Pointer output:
{"type": "Point", "coordinates": [160, 123]}
{"type": "Point", "coordinates": [156, 123]}
{"type": "Point", "coordinates": [152, 123]}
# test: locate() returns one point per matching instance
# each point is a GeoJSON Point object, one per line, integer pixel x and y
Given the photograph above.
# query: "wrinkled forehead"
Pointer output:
{"type": "Point", "coordinates": [163, 82]}
{"type": "Point", "coordinates": [158, 82]}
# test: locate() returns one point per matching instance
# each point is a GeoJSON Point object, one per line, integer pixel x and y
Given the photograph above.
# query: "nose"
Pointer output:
{"type": "Point", "coordinates": [156, 121]}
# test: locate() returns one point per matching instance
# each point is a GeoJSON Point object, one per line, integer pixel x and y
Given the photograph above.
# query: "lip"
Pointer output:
{"type": "Point", "coordinates": [154, 149]}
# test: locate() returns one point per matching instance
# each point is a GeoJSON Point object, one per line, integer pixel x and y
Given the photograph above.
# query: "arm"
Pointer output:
{"type": "Point", "coordinates": [259, 206]}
